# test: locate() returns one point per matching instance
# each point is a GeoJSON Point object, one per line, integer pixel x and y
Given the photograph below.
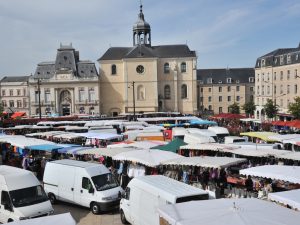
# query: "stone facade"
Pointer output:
{"type": "Point", "coordinates": [277, 78]}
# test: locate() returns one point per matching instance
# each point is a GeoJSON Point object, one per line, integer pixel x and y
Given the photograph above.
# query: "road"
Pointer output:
{"type": "Point", "coordinates": [83, 216]}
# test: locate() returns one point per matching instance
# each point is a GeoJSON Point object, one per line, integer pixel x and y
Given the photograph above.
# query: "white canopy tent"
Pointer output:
{"type": "Point", "coordinates": [290, 155]}
{"type": "Point", "coordinates": [209, 146]}
{"type": "Point", "coordinates": [284, 137]}
{"type": "Point", "coordinates": [110, 152]}
{"type": "Point", "coordinates": [101, 136]}
{"type": "Point", "coordinates": [294, 141]}
{"type": "Point", "coordinates": [149, 157]}
{"type": "Point", "coordinates": [205, 161]}
{"type": "Point", "coordinates": [263, 152]}
{"type": "Point", "coordinates": [246, 211]}
{"type": "Point", "coordinates": [276, 172]}
{"type": "Point", "coordinates": [63, 219]}
{"type": "Point", "coordinates": [23, 142]}
{"type": "Point", "coordinates": [291, 198]}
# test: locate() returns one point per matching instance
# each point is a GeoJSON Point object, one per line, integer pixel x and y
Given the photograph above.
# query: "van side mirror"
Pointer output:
{"type": "Point", "coordinates": [91, 190]}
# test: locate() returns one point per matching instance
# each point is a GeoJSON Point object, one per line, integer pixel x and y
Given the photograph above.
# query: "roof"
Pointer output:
{"type": "Point", "coordinates": [163, 186]}
{"type": "Point", "coordinates": [162, 51]}
{"type": "Point", "coordinates": [75, 163]}
{"type": "Point", "coordinates": [15, 79]}
{"type": "Point", "coordinates": [173, 146]}
{"type": "Point", "coordinates": [237, 75]}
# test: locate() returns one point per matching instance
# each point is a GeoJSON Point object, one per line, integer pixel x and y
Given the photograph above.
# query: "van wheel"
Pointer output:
{"type": "Point", "coordinates": [95, 208]}
{"type": "Point", "coordinates": [52, 198]}
{"type": "Point", "coordinates": [123, 218]}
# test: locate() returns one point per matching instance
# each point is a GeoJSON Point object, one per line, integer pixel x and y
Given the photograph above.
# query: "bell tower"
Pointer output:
{"type": "Point", "coordinates": [141, 30]}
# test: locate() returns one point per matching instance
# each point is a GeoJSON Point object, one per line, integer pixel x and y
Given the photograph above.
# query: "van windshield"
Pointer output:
{"type": "Point", "coordinates": [28, 196]}
{"type": "Point", "coordinates": [104, 182]}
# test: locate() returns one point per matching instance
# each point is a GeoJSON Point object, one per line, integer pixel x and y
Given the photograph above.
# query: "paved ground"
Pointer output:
{"type": "Point", "coordinates": [83, 216]}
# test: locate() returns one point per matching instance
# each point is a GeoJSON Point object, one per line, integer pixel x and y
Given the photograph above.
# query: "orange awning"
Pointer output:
{"type": "Point", "coordinates": [17, 114]}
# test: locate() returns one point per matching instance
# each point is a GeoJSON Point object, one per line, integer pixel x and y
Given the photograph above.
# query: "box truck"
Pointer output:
{"type": "Point", "coordinates": [87, 184]}
{"type": "Point", "coordinates": [144, 195]}
{"type": "Point", "coordinates": [22, 195]}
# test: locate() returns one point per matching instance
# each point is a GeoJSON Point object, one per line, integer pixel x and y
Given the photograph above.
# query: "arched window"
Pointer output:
{"type": "Point", "coordinates": [167, 68]}
{"type": "Point", "coordinates": [113, 69]}
{"type": "Point", "coordinates": [37, 111]}
{"type": "Point", "coordinates": [183, 91]}
{"type": "Point", "coordinates": [167, 92]}
{"type": "Point", "coordinates": [183, 67]}
{"type": "Point", "coordinates": [141, 92]}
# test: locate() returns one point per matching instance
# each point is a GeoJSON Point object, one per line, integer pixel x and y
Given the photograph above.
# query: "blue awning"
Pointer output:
{"type": "Point", "coordinates": [202, 122]}
{"type": "Point", "coordinates": [45, 147]}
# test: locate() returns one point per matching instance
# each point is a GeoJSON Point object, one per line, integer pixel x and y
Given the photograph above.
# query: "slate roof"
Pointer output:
{"type": "Point", "coordinates": [274, 58]}
{"type": "Point", "coordinates": [219, 76]}
{"type": "Point", "coordinates": [67, 60]}
{"type": "Point", "coordinates": [15, 79]}
{"type": "Point", "coordinates": [162, 51]}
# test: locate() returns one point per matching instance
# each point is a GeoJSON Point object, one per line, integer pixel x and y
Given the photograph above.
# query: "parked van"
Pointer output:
{"type": "Point", "coordinates": [87, 184]}
{"type": "Point", "coordinates": [22, 196]}
{"type": "Point", "coordinates": [145, 194]}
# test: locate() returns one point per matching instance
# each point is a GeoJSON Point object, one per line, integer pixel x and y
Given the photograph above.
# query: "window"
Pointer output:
{"type": "Point", "coordinates": [113, 69]}
{"type": "Point", "coordinates": [47, 95]}
{"type": "Point", "coordinates": [220, 109]}
{"type": "Point", "coordinates": [257, 77]}
{"type": "Point", "coordinates": [288, 89]}
{"type": "Point", "coordinates": [5, 199]}
{"type": "Point", "coordinates": [251, 89]}
{"type": "Point", "coordinates": [220, 98]}
{"type": "Point", "coordinates": [263, 90]}
{"type": "Point", "coordinates": [183, 67]}
{"type": "Point", "coordinates": [237, 88]}
{"type": "Point", "coordinates": [228, 88]}
{"type": "Point", "coordinates": [91, 94]}
{"type": "Point", "coordinates": [281, 60]}
{"type": "Point", "coordinates": [183, 91]}
{"type": "Point", "coordinates": [288, 74]}
{"type": "Point", "coordinates": [274, 75]}
{"type": "Point", "coordinates": [228, 98]}
{"type": "Point", "coordinates": [281, 75]}
{"type": "Point", "coordinates": [288, 59]}
{"type": "Point", "coordinates": [295, 89]}
{"type": "Point", "coordinates": [11, 92]}
{"type": "Point", "coordinates": [258, 90]}
{"type": "Point", "coordinates": [220, 89]}
{"type": "Point", "coordinates": [209, 89]}
{"type": "Point", "coordinates": [209, 107]}
{"type": "Point", "coordinates": [281, 89]}
{"type": "Point", "coordinates": [228, 80]}
{"type": "Point", "coordinates": [268, 77]}
{"type": "Point", "coordinates": [263, 62]}
{"type": "Point", "coordinates": [37, 111]}
{"type": "Point", "coordinates": [166, 68]}
{"type": "Point", "coordinates": [296, 74]}
{"type": "Point", "coordinates": [4, 104]}
{"type": "Point", "coordinates": [238, 98]}
{"type": "Point", "coordinates": [86, 183]}
{"type": "Point", "coordinates": [24, 102]}
{"type": "Point", "coordinates": [36, 96]}
{"type": "Point", "coordinates": [220, 82]}
{"type": "Point", "coordinates": [81, 94]}
{"type": "Point", "coordinates": [268, 90]}
{"type": "Point", "coordinates": [47, 110]}
{"type": "Point", "coordinates": [275, 89]}
{"type": "Point", "coordinates": [201, 90]}
{"type": "Point", "coordinates": [19, 104]}
{"type": "Point", "coordinates": [11, 103]}
{"type": "Point", "coordinates": [209, 80]}
{"type": "Point", "coordinates": [3, 93]}
{"type": "Point", "coordinates": [251, 79]}
{"type": "Point", "coordinates": [263, 76]}
{"type": "Point", "coordinates": [209, 98]}
{"type": "Point", "coordinates": [141, 92]}
{"type": "Point", "coordinates": [297, 56]}
{"type": "Point", "coordinates": [18, 92]}
{"type": "Point", "coordinates": [24, 91]}
{"type": "Point", "coordinates": [237, 81]}
{"type": "Point", "coordinates": [167, 92]}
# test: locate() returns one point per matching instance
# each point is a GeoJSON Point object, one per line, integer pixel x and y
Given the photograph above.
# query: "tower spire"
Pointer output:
{"type": "Point", "coordinates": [141, 30]}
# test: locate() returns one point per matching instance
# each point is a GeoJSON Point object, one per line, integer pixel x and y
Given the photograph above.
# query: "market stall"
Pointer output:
{"type": "Point", "coordinates": [288, 198]}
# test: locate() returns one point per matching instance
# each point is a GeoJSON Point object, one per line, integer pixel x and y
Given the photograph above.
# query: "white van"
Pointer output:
{"type": "Point", "coordinates": [87, 184]}
{"type": "Point", "coordinates": [22, 196]}
{"type": "Point", "coordinates": [145, 194]}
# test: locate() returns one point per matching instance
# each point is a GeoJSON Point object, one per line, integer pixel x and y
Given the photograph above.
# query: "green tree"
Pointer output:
{"type": "Point", "coordinates": [234, 108]}
{"type": "Point", "coordinates": [270, 108]}
{"type": "Point", "coordinates": [294, 108]}
{"type": "Point", "coordinates": [249, 108]}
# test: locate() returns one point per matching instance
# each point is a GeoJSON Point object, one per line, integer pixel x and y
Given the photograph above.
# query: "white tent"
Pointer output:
{"type": "Point", "coordinates": [291, 198]}
{"type": "Point", "coordinates": [105, 151]}
{"type": "Point", "coordinates": [23, 142]}
{"type": "Point", "coordinates": [290, 155]}
{"type": "Point", "coordinates": [60, 219]}
{"type": "Point", "coordinates": [205, 161]}
{"type": "Point", "coordinates": [259, 152]}
{"type": "Point", "coordinates": [101, 136]}
{"type": "Point", "coordinates": [276, 172]}
{"type": "Point", "coordinates": [149, 157]}
{"type": "Point", "coordinates": [209, 146]}
{"type": "Point", "coordinates": [293, 141]}
{"type": "Point", "coordinates": [284, 137]}
{"type": "Point", "coordinates": [246, 211]}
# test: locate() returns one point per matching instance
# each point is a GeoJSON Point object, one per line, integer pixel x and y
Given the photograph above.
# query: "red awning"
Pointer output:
{"type": "Point", "coordinates": [279, 123]}
{"type": "Point", "coordinates": [293, 123]}
{"type": "Point", "coordinates": [228, 116]}
{"type": "Point", "coordinates": [17, 114]}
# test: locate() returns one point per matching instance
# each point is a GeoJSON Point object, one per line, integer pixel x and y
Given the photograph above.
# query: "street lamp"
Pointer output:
{"type": "Point", "coordinates": [39, 96]}
{"type": "Point", "coordinates": [133, 98]}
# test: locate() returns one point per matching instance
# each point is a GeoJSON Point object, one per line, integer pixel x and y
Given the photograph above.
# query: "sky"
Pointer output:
{"type": "Point", "coordinates": [224, 33]}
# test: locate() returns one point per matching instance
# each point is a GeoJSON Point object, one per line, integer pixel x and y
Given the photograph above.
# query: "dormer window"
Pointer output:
{"type": "Point", "coordinates": [209, 80]}
{"type": "Point", "coordinates": [263, 62]}
{"type": "Point", "coordinates": [288, 59]}
{"type": "Point", "coordinates": [251, 79]}
{"type": "Point", "coordinates": [220, 82]}
{"type": "Point", "coordinates": [228, 80]}
{"type": "Point", "coordinates": [201, 81]}
{"type": "Point", "coordinates": [281, 60]}
{"type": "Point", "coordinates": [297, 56]}
{"type": "Point", "coordinates": [258, 64]}
{"type": "Point", "coordinates": [237, 81]}
{"type": "Point", "coordinates": [275, 60]}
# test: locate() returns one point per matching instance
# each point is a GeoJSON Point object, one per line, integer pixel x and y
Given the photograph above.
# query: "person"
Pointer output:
{"type": "Point", "coordinates": [25, 162]}
{"type": "Point", "coordinates": [249, 184]}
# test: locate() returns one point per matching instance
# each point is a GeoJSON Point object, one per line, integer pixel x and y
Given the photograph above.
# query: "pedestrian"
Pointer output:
{"type": "Point", "coordinates": [25, 162]}
{"type": "Point", "coordinates": [249, 183]}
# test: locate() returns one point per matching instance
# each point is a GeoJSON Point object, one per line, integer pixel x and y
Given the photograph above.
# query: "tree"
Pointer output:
{"type": "Point", "coordinates": [270, 108]}
{"type": "Point", "coordinates": [249, 108]}
{"type": "Point", "coordinates": [234, 108]}
{"type": "Point", "coordinates": [294, 108]}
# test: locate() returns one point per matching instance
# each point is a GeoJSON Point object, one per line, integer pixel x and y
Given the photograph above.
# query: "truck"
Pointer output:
{"type": "Point", "coordinates": [22, 195]}
{"type": "Point", "coordinates": [87, 184]}
{"type": "Point", "coordinates": [145, 194]}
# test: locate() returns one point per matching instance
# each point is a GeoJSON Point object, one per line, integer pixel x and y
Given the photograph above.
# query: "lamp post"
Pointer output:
{"type": "Point", "coordinates": [133, 98]}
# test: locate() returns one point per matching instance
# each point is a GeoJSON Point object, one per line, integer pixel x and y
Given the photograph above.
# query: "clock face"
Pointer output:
{"type": "Point", "coordinates": [140, 69]}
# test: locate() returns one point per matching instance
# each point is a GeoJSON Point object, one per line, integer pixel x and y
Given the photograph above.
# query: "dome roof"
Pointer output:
{"type": "Point", "coordinates": [141, 24]}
